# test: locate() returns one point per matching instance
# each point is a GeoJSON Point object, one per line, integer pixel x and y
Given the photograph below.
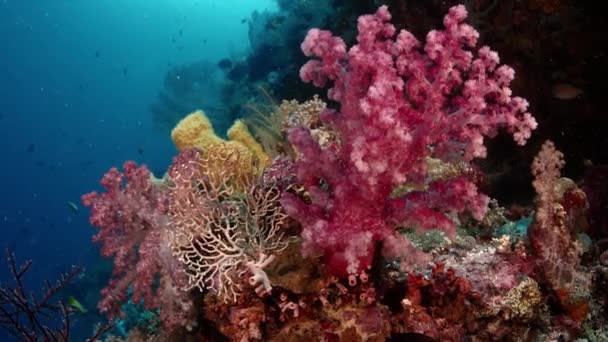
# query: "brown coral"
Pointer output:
{"type": "Point", "coordinates": [553, 234]}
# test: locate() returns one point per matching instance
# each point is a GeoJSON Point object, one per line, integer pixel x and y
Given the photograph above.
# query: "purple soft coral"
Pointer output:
{"type": "Point", "coordinates": [400, 103]}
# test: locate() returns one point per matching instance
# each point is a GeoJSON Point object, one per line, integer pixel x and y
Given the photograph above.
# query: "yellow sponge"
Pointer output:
{"type": "Point", "coordinates": [195, 130]}
{"type": "Point", "coordinates": [240, 133]}
{"type": "Point", "coordinates": [192, 128]}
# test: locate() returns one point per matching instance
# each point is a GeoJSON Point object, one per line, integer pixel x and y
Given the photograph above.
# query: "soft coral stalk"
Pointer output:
{"type": "Point", "coordinates": [400, 102]}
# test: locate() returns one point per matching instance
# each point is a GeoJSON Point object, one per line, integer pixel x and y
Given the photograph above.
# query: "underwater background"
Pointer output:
{"type": "Point", "coordinates": [87, 85]}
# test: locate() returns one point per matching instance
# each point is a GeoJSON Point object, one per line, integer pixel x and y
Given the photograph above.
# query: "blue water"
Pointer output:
{"type": "Point", "coordinates": [76, 80]}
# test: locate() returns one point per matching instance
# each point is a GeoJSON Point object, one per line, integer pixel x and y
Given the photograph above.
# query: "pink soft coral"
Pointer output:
{"type": "Point", "coordinates": [400, 102]}
{"type": "Point", "coordinates": [132, 221]}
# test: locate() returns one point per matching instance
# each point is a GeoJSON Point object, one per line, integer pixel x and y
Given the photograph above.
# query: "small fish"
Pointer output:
{"type": "Point", "coordinates": [224, 64]}
{"type": "Point", "coordinates": [73, 206]}
{"type": "Point", "coordinates": [140, 150]}
{"type": "Point", "coordinates": [97, 54]}
{"type": "Point", "coordinates": [244, 20]}
{"type": "Point", "coordinates": [180, 32]}
{"type": "Point", "coordinates": [31, 148]}
{"type": "Point", "coordinates": [565, 91]}
{"type": "Point", "coordinates": [204, 41]}
{"type": "Point", "coordinates": [124, 71]}
{"type": "Point", "coordinates": [76, 305]}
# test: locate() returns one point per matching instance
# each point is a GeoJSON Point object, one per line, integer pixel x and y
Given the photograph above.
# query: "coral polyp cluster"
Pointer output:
{"type": "Point", "coordinates": [369, 222]}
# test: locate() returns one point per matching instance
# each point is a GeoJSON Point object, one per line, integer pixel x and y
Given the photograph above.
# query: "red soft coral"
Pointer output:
{"type": "Point", "coordinates": [397, 99]}
{"type": "Point", "coordinates": [132, 221]}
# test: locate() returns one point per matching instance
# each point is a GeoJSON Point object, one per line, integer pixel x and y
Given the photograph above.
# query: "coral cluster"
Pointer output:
{"type": "Point", "coordinates": [369, 223]}
{"type": "Point", "coordinates": [397, 99]}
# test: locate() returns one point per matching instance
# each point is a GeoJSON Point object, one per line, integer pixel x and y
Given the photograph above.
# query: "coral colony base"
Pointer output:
{"type": "Point", "coordinates": [360, 219]}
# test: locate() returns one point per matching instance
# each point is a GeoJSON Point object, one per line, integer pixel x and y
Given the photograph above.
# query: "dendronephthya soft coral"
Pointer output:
{"type": "Point", "coordinates": [401, 102]}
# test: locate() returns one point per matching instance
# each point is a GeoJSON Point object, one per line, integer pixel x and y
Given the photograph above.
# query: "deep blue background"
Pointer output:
{"type": "Point", "coordinates": [67, 115]}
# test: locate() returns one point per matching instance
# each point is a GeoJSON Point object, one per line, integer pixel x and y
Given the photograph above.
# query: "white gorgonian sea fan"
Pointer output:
{"type": "Point", "coordinates": [225, 226]}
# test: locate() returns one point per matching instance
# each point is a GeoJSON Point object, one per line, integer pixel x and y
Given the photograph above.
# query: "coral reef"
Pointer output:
{"type": "Point", "coordinates": [370, 222]}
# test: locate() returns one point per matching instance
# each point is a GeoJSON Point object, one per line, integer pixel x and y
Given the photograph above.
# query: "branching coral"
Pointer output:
{"type": "Point", "coordinates": [23, 315]}
{"type": "Point", "coordinates": [400, 102]}
{"type": "Point", "coordinates": [219, 233]}
{"type": "Point", "coordinates": [31, 319]}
